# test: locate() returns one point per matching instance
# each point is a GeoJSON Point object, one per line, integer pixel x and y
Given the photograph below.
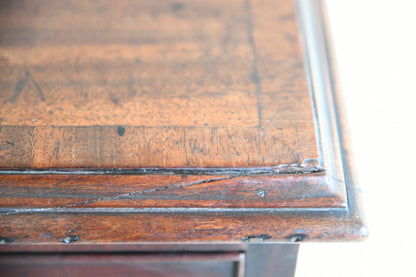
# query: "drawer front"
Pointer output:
{"type": "Point", "coordinates": [165, 264]}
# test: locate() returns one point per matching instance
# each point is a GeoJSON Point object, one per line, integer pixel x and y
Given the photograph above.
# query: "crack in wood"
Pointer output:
{"type": "Point", "coordinates": [121, 196]}
{"type": "Point", "coordinates": [237, 171]}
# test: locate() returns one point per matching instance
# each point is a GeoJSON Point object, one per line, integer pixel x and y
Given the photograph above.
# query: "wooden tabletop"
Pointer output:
{"type": "Point", "coordinates": [157, 121]}
{"type": "Point", "coordinates": [137, 84]}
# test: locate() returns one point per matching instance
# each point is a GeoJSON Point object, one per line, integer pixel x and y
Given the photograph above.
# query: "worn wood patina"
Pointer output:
{"type": "Point", "coordinates": [133, 123]}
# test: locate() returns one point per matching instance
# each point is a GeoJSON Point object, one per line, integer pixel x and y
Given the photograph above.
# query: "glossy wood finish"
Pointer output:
{"type": "Point", "coordinates": [106, 137]}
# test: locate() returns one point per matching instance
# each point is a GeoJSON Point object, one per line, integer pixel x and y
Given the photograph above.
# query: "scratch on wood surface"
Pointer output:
{"type": "Point", "coordinates": [295, 153]}
{"type": "Point", "coordinates": [21, 84]}
{"type": "Point", "coordinates": [185, 147]}
{"type": "Point", "coordinates": [250, 171]}
{"type": "Point", "coordinates": [56, 150]}
{"type": "Point", "coordinates": [111, 198]}
{"type": "Point", "coordinates": [10, 142]}
{"type": "Point", "coordinates": [18, 89]}
{"type": "Point", "coordinates": [68, 180]}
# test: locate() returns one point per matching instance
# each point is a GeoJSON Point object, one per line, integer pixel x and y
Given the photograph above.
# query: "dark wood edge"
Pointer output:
{"type": "Point", "coordinates": [124, 258]}
{"type": "Point", "coordinates": [122, 247]}
{"type": "Point", "coordinates": [120, 258]}
{"type": "Point", "coordinates": [241, 171]}
{"type": "Point", "coordinates": [322, 50]}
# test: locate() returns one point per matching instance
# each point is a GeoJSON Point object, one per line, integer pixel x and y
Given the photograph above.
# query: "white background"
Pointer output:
{"type": "Point", "coordinates": [375, 45]}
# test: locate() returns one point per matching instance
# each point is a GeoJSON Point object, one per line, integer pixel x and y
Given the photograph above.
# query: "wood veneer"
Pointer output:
{"type": "Point", "coordinates": [152, 84]}
{"type": "Point", "coordinates": [158, 122]}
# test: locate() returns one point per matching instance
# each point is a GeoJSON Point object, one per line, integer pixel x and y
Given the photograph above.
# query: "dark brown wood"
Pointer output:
{"type": "Point", "coordinates": [124, 247]}
{"type": "Point", "coordinates": [177, 130]}
{"type": "Point", "coordinates": [131, 264]}
{"type": "Point", "coordinates": [270, 260]}
{"type": "Point", "coordinates": [253, 259]}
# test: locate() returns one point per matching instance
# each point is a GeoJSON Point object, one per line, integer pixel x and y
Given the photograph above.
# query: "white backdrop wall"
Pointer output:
{"type": "Point", "coordinates": [375, 44]}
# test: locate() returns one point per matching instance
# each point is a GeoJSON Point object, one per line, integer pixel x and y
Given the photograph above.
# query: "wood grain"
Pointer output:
{"type": "Point", "coordinates": [157, 191]}
{"type": "Point", "coordinates": [153, 227]}
{"type": "Point", "coordinates": [169, 122]}
{"type": "Point", "coordinates": [143, 147]}
{"type": "Point", "coordinates": [152, 84]}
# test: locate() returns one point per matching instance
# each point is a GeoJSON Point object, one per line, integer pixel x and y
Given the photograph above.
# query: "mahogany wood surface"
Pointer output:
{"type": "Point", "coordinates": [131, 122]}
{"type": "Point", "coordinates": [98, 191]}
{"type": "Point", "coordinates": [136, 84]}
{"type": "Point", "coordinates": [95, 226]}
